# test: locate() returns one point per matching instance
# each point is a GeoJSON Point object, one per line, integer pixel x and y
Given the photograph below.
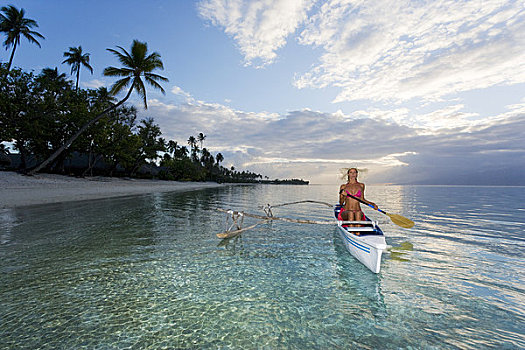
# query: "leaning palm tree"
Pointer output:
{"type": "Point", "coordinates": [76, 59]}
{"type": "Point", "coordinates": [14, 25]}
{"type": "Point", "coordinates": [137, 65]}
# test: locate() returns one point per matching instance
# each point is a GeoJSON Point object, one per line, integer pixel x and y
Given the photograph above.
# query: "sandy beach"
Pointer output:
{"type": "Point", "coordinates": [17, 190]}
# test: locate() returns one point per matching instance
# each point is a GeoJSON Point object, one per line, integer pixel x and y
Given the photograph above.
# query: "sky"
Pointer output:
{"type": "Point", "coordinates": [409, 92]}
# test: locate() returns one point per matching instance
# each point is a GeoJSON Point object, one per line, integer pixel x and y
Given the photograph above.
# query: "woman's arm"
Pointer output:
{"type": "Point", "coordinates": [342, 197]}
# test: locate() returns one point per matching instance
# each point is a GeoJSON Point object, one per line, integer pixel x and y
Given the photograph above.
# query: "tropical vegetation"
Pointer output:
{"type": "Point", "coordinates": [40, 113]}
{"type": "Point", "coordinates": [56, 126]}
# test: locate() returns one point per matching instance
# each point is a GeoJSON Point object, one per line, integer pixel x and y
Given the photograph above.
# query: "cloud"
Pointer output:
{"type": "Point", "coordinates": [93, 84]}
{"type": "Point", "coordinates": [259, 28]}
{"type": "Point", "coordinates": [399, 50]}
{"type": "Point", "coordinates": [315, 145]}
{"type": "Point", "coordinates": [390, 50]}
{"type": "Point", "coordinates": [179, 92]}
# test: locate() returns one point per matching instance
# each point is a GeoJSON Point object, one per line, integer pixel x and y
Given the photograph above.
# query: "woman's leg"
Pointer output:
{"type": "Point", "coordinates": [355, 216]}
{"type": "Point", "coordinates": [351, 217]}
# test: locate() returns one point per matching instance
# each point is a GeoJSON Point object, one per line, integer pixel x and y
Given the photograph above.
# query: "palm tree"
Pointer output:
{"type": "Point", "coordinates": [53, 75]}
{"type": "Point", "coordinates": [53, 82]}
{"type": "Point", "coordinates": [14, 25]}
{"type": "Point", "coordinates": [181, 152]}
{"type": "Point", "coordinates": [76, 59]}
{"type": "Point", "coordinates": [172, 146]}
{"type": "Point", "coordinates": [219, 158]}
{"type": "Point", "coordinates": [137, 65]}
{"type": "Point", "coordinates": [201, 137]}
{"type": "Point", "coordinates": [192, 142]}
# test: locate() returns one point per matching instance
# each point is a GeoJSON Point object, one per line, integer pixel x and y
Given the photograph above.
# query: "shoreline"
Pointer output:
{"type": "Point", "coordinates": [17, 190]}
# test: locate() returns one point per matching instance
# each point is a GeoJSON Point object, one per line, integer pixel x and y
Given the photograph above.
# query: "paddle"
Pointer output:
{"type": "Point", "coordinates": [396, 219]}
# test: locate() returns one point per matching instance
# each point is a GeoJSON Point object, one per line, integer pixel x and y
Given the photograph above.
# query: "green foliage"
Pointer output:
{"type": "Point", "coordinates": [17, 110]}
{"type": "Point", "coordinates": [46, 118]}
{"type": "Point", "coordinates": [183, 170]}
{"type": "Point", "coordinates": [151, 143]}
{"type": "Point", "coordinates": [38, 113]}
{"type": "Point", "coordinates": [114, 140]}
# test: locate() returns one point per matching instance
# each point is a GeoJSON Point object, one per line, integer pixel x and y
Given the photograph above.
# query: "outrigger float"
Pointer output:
{"type": "Point", "coordinates": [363, 239]}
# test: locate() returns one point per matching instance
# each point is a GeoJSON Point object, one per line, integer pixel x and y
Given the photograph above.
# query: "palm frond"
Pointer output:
{"type": "Point", "coordinates": [139, 50]}
{"type": "Point", "coordinates": [136, 64]}
{"type": "Point", "coordinates": [154, 61]}
{"type": "Point", "coordinates": [14, 24]}
{"type": "Point", "coordinates": [87, 65]}
{"type": "Point", "coordinates": [30, 35]}
{"type": "Point", "coordinates": [155, 84]}
{"type": "Point", "coordinates": [119, 85]}
{"type": "Point", "coordinates": [155, 77]}
{"type": "Point", "coordinates": [117, 72]}
{"type": "Point", "coordinates": [123, 56]}
{"type": "Point", "coordinates": [141, 90]}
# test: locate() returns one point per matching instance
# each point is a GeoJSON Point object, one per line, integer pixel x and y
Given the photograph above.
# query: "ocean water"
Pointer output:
{"type": "Point", "coordinates": [148, 272]}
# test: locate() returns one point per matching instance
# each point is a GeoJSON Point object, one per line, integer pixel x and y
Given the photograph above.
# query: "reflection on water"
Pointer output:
{"type": "Point", "coordinates": [148, 272]}
{"type": "Point", "coordinates": [358, 283]}
{"type": "Point", "coordinates": [7, 222]}
{"type": "Point", "coordinates": [401, 252]}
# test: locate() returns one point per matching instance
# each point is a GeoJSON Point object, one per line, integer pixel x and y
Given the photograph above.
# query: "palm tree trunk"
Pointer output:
{"type": "Point", "coordinates": [78, 76]}
{"type": "Point", "coordinates": [11, 58]}
{"type": "Point", "coordinates": [23, 155]}
{"type": "Point", "coordinates": [77, 134]}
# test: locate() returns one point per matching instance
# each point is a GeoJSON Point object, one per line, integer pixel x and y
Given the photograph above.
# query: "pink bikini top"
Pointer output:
{"type": "Point", "coordinates": [357, 194]}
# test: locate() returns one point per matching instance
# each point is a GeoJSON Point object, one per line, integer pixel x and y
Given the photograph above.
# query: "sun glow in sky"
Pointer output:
{"type": "Point", "coordinates": [414, 91]}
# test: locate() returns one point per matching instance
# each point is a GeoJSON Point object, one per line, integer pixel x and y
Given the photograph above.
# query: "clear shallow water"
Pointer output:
{"type": "Point", "coordinates": [148, 272]}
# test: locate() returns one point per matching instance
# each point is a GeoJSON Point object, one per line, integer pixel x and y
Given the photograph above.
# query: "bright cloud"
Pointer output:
{"type": "Point", "coordinates": [179, 92]}
{"type": "Point", "coordinates": [398, 50]}
{"type": "Point", "coordinates": [260, 28]}
{"type": "Point", "coordinates": [388, 50]}
{"type": "Point", "coordinates": [387, 160]}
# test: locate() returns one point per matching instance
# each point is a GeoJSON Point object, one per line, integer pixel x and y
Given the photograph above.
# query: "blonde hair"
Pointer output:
{"type": "Point", "coordinates": [344, 172]}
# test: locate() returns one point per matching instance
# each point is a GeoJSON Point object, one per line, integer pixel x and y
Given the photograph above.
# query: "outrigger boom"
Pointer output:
{"type": "Point", "coordinates": [298, 221]}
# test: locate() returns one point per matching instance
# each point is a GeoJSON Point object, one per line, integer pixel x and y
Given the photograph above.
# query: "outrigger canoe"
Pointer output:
{"type": "Point", "coordinates": [363, 239]}
{"type": "Point", "coordinates": [366, 242]}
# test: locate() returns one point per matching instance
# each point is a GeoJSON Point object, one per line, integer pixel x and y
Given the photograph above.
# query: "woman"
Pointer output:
{"type": "Point", "coordinates": [351, 210]}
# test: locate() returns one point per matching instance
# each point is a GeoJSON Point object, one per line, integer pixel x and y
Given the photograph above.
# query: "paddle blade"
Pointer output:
{"type": "Point", "coordinates": [401, 220]}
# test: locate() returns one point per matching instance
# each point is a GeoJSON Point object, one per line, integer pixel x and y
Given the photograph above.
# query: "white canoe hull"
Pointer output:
{"type": "Point", "coordinates": [368, 249]}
